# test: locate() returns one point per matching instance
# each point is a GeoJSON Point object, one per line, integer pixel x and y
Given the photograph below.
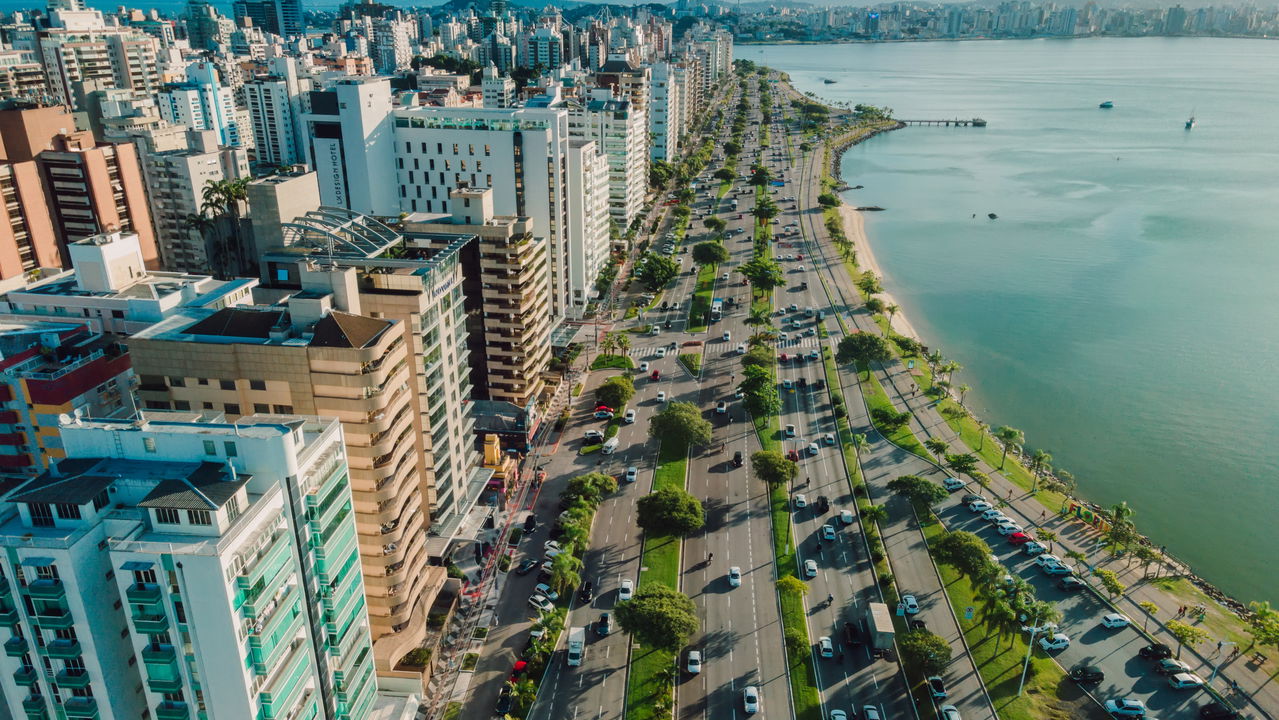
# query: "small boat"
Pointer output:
{"type": "Point", "coordinates": [1107, 105]}
{"type": "Point", "coordinates": [992, 216]}
{"type": "Point", "coordinates": [828, 81]}
{"type": "Point", "coordinates": [1191, 122]}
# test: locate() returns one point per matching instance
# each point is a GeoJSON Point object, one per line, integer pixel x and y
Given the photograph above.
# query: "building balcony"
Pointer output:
{"type": "Point", "coordinates": [25, 675]}
{"type": "Point", "coordinates": [72, 678]}
{"type": "Point", "coordinates": [15, 646]}
{"type": "Point", "coordinates": [54, 621]}
{"type": "Point", "coordinates": [143, 593]}
{"type": "Point", "coordinates": [64, 649]}
{"type": "Point", "coordinates": [151, 624]}
{"type": "Point", "coordinates": [165, 685]}
{"type": "Point", "coordinates": [172, 710]}
{"type": "Point", "coordinates": [5, 588]}
{"type": "Point", "coordinates": [154, 654]}
{"type": "Point", "coordinates": [81, 707]}
{"type": "Point", "coordinates": [35, 708]}
{"type": "Point", "coordinates": [8, 617]}
{"type": "Point", "coordinates": [47, 589]}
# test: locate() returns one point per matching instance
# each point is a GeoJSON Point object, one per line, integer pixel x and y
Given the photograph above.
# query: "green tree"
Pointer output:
{"type": "Point", "coordinates": [658, 616]}
{"type": "Point", "coordinates": [918, 490]}
{"type": "Point", "coordinates": [860, 441]}
{"type": "Point", "coordinates": [1151, 610]}
{"type": "Point", "coordinates": [964, 464]}
{"type": "Point", "coordinates": [566, 572]}
{"type": "Point", "coordinates": [591, 488]}
{"type": "Point", "coordinates": [680, 422]}
{"type": "Point", "coordinates": [772, 467]}
{"type": "Point", "coordinates": [723, 174]}
{"type": "Point", "coordinates": [937, 446]}
{"type": "Point", "coordinates": [659, 173]}
{"type": "Point", "coordinates": [670, 511]}
{"type": "Point", "coordinates": [889, 420]}
{"type": "Point", "coordinates": [763, 274]}
{"type": "Point", "coordinates": [1263, 624]}
{"type": "Point", "coordinates": [758, 356]}
{"type": "Point", "coordinates": [1039, 462]}
{"type": "Point", "coordinates": [715, 224]}
{"type": "Point", "coordinates": [1046, 536]}
{"type": "Point", "coordinates": [792, 585]}
{"type": "Point", "coordinates": [1002, 620]}
{"type": "Point", "coordinates": [875, 513]}
{"type": "Point", "coordinates": [222, 202]}
{"type": "Point", "coordinates": [963, 390]}
{"type": "Point", "coordinates": [827, 199]}
{"type": "Point", "coordinates": [762, 402]}
{"type": "Point", "coordinates": [964, 551]}
{"type": "Point", "coordinates": [1110, 581]}
{"type": "Point", "coordinates": [759, 316]}
{"type": "Point", "coordinates": [656, 271]}
{"type": "Point", "coordinates": [1186, 634]}
{"type": "Point", "coordinates": [732, 148]}
{"type": "Point", "coordinates": [765, 210]}
{"type": "Point", "coordinates": [760, 176]}
{"type": "Point", "coordinates": [874, 305]}
{"type": "Point", "coordinates": [863, 349]}
{"type": "Point", "coordinates": [1010, 437]}
{"type": "Point", "coordinates": [926, 651]}
{"type": "Point", "coordinates": [615, 392]}
{"type": "Point", "coordinates": [710, 253]}
{"type": "Point", "coordinates": [869, 283]}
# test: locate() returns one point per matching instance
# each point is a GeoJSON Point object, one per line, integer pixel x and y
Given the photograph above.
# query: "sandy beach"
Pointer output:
{"type": "Point", "coordinates": [855, 228]}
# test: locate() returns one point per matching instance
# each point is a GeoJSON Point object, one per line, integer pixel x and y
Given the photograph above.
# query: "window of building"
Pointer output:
{"type": "Point", "coordinates": [201, 381]}
{"type": "Point", "coordinates": [181, 405]}
{"type": "Point", "coordinates": [282, 409]}
{"type": "Point", "coordinates": [41, 514]}
{"type": "Point", "coordinates": [226, 384]}
{"type": "Point", "coordinates": [257, 384]}
{"type": "Point", "coordinates": [117, 314]}
{"type": "Point", "coordinates": [231, 408]}
{"type": "Point", "coordinates": [230, 448]}
{"type": "Point", "coordinates": [488, 150]}
{"type": "Point", "coordinates": [177, 382]}
{"type": "Point", "coordinates": [144, 576]}
{"type": "Point", "coordinates": [167, 516]}
{"type": "Point", "coordinates": [101, 501]}
{"type": "Point", "coordinates": [148, 444]}
{"type": "Point", "coordinates": [68, 511]}
{"type": "Point", "coordinates": [199, 517]}
{"type": "Point", "coordinates": [232, 508]}
{"type": "Point", "coordinates": [261, 408]}
{"type": "Point", "coordinates": [207, 405]}
{"type": "Point", "coordinates": [210, 447]}
{"type": "Point", "coordinates": [439, 148]}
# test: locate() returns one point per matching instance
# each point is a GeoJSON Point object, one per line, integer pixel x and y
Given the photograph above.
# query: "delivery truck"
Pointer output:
{"type": "Point", "coordinates": [879, 628]}
{"type": "Point", "coordinates": [577, 646]}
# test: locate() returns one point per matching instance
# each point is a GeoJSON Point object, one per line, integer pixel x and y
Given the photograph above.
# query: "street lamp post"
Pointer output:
{"type": "Point", "coordinates": [1026, 665]}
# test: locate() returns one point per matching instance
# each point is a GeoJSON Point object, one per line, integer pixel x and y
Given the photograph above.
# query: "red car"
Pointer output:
{"type": "Point", "coordinates": [657, 374]}
{"type": "Point", "coordinates": [1019, 538]}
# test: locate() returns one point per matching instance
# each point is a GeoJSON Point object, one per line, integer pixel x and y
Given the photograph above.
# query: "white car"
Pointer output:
{"type": "Point", "coordinates": [739, 393]}
{"type": "Point", "coordinates": [626, 590]}
{"type": "Point", "coordinates": [846, 517]}
{"type": "Point", "coordinates": [694, 662]}
{"type": "Point", "coordinates": [828, 438]}
{"type": "Point", "coordinates": [741, 348]}
{"type": "Point", "coordinates": [545, 590]}
{"type": "Point", "coordinates": [952, 484]}
{"type": "Point", "coordinates": [1126, 707]}
{"type": "Point", "coordinates": [727, 336]}
{"type": "Point", "coordinates": [949, 712]}
{"type": "Point", "coordinates": [1115, 620]}
{"type": "Point", "coordinates": [788, 383]}
{"type": "Point", "coordinates": [870, 712]}
{"type": "Point", "coordinates": [1056, 641]}
{"type": "Point", "coordinates": [790, 431]}
{"type": "Point", "coordinates": [723, 277]}
{"type": "Point", "coordinates": [661, 396]}
{"type": "Point", "coordinates": [801, 501]}
{"type": "Point", "coordinates": [813, 449]}
{"type": "Point", "coordinates": [661, 352]}
{"type": "Point", "coordinates": [1046, 559]}
{"type": "Point", "coordinates": [810, 568]}
{"type": "Point", "coordinates": [910, 604]}
{"type": "Point", "coordinates": [825, 647]}
{"type": "Point", "coordinates": [992, 515]}
{"type": "Point", "coordinates": [1183, 681]}
{"type": "Point", "coordinates": [632, 474]}
{"type": "Point", "coordinates": [750, 699]}
{"type": "Point", "coordinates": [838, 715]}
{"type": "Point", "coordinates": [629, 417]}
{"type": "Point", "coordinates": [828, 532]}
{"type": "Point", "coordinates": [735, 576]}
{"type": "Point", "coordinates": [644, 366]}
{"type": "Point", "coordinates": [540, 603]}
{"type": "Point", "coordinates": [552, 546]}
{"type": "Point", "coordinates": [979, 506]}
{"type": "Point", "coordinates": [782, 337]}
{"type": "Point", "coordinates": [1008, 528]}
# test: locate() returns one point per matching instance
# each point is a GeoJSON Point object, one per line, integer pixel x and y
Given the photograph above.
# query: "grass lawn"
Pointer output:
{"type": "Point", "coordinates": [621, 362]}
{"type": "Point", "coordinates": [1048, 695]}
{"type": "Point", "coordinates": [648, 691]}
{"type": "Point", "coordinates": [692, 361]}
{"type": "Point", "coordinates": [453, 711]}
{"type": "Point", "coordinates": [902, 437]}
{"type": "Point", "coordinates": [700, 307]}
{"type": "Point", "coordinates": [1219, 622]}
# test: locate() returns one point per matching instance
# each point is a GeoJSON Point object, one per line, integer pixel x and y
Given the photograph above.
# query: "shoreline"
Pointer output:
{"type": "Point", "coordinates": [855, 229]}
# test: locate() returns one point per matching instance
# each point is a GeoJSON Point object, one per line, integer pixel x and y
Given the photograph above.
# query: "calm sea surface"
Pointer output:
{"type": "Point", "coordinates": [1124, 308]}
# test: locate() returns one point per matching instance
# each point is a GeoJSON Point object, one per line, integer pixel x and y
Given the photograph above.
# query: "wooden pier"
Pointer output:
{"type": "Point", "coordinates": [973, 122]}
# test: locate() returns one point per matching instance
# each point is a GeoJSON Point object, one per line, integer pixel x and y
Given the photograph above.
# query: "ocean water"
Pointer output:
{"type": "Point", "coordinates": [1123, 310]}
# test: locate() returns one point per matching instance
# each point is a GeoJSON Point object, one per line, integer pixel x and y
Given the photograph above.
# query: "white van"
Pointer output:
{"type": "Point", "coordinates": [609, 446]}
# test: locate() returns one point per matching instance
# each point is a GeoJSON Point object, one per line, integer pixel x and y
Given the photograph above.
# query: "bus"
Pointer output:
{"type": "Point", "coordinates": [717, 309]}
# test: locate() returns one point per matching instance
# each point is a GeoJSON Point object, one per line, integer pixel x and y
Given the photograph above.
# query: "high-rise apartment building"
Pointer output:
{"type": "Point", "coordinates": [505, 288]}
{"type": "Point", "coordinates": [120, 56]}
{"type": "Point", "coordinates": [279, 17]}
{"type": "Point", "coordinates": [588, 238]}
{"type": "Point", "coordinates": [27, 237]}
{"type": "Point", "coordinates": [622, 135]}
{"type": "Point", "coordinates": [351, 146]}
{"type": "Point", "coordinates": [21, 75]}
{"type": "Point", "coordinates": [210, 565]}
{"type": "Point", "coordinates": [498, 89]}
{"type": "Point", "coordinates": [665, 123]}
{"type": "Point", "coordinates": [275, 111]}
{"type": "Point", "coordinates": [379, 344]}
{"type": "Point", "coordinates": [203, 102]}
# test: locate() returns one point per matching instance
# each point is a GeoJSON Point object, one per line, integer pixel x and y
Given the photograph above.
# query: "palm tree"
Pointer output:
{"type": "Point", "coordinates": [892, 311]}
{"type": "Point", "coordinates": [759, 316]}
{"type": "Point", "coordinates": [982, 429]}
{"type": "Point", "coordinates": [935, 359]}
{"type": "Point", "coordinates": [1043, 612]}
{"type": "Point", "coordinates": [566, 572]}
{"type": "Point", "coordinates": [609, 343]}
{"type": "Point", "coordinates": [623, 342]}
{"type": "Point", "coordinates": [1001, 619]}
{"type": "Point", "coordinates": [1009, 436]}
{"type": "Point", "coordinates": [936, 446]}
{"type": "Point", "coordinates": [1121, 513]}
{"type": "Point", "coordinates": [875, 513]}
{"type": "Point", "coordinates": [1045, 535]}
{"type": "Point", "coordinates": [963, 390]}
{"type": "Point", "coordinates": [1039, 460]}
{"type": "Point", "coordinates": [951, 368]}
{"type": "Point", "coordinates": [765, 211]}
{"type": "Point", "coordinates": [859, 444]}
{"type": "Point", "coordinates": [221, 202]}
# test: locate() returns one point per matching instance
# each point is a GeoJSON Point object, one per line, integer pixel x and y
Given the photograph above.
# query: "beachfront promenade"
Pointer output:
{"type": "Point", "coordinates": [1257, 695]}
